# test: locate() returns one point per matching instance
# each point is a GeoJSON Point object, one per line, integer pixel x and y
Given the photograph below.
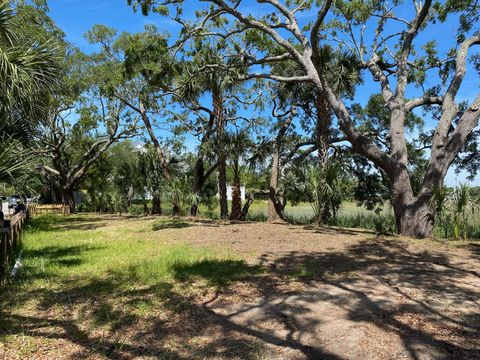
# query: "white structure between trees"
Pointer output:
{"type": "Point", "coordinates": [229, 193]}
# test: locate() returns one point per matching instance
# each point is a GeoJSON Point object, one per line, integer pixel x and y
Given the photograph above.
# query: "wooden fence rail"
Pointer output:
{"type": "Point", "coordinates": [10, 235]}
{"type": "Point", "coordinates": [37, 209]}
{"type": "Point", "coordinates": [10, 239]}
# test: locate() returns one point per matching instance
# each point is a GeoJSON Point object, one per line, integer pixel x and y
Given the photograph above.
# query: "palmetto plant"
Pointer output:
{"type": "Point", "coordinates": [27, 68]}
{"type": "Point", "coordinates": [174, 192]}
{"type": "Point", "coordinates": [439, 202]}
{"type": "Point", "coordinates": [14, 159]}
{"type": "Point", "coordinates": [462, 203]}
{"type": "Point", "coordinates": [116, 202]}
{"type": "Point", "coordinates": [324, 187]}
{"type": "Point", "coordinates": [238, 145]}
{"type": "Point", "coordinates": [454, 210]}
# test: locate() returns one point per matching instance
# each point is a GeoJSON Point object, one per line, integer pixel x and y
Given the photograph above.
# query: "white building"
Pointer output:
{"type": "Point", "coordinates": [229, 193]}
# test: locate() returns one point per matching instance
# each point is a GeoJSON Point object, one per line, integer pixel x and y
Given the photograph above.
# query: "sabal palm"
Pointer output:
{"type": "Point", "coordinates": [151, 171]}
{"type": "Point", "coordinates": [341, 69]}
{"type": "Point", "coordinates": [26, 68]}
{"type": "Point", "coordinates": [342, 72]}
{"type": "Point", "coordinates": [209, 73]}
{"type": "Point", "coordinates": [325, 189]}
{"type": "Point", "coordinates": [27, 71]}
{"type": "Point", "coordinates": [238, 144]}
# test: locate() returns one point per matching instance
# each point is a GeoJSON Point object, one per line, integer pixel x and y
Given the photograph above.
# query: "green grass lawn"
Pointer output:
{"type": "Point", "coordinates": [84, 255]}
{"type": "Point", "coordinates": [62, 248]}
{"type": "Point", "coordinates": [100, 273]}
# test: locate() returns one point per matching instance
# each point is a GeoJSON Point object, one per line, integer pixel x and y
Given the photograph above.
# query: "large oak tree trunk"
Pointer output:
{"type": "Point", "coordinates": [222, 162]}
{"type": "Point", "coordinates": [68, 199]}
{"type": "Point", "coordinates": [414, 215]}
{"type": "Point", "coordinates": [414, 218]}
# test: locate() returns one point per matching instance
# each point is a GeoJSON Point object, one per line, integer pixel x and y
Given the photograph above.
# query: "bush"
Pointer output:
{"type": "Point", "coordinates": [135, 210]}
{"type": "Point", "coordinates": [257, 216]}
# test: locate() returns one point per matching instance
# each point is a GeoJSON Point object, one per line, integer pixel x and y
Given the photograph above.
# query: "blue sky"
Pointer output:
{"type": "Point", "coordinates": [76, 17]}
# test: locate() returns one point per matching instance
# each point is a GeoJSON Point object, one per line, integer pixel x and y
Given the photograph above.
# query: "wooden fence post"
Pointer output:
{"type": "Point", "coordinates": [3, 251]}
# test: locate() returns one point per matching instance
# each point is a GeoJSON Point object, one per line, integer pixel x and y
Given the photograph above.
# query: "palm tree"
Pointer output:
{"type": "Point", "coordinates": [14, 159]}
{"type": "Point", "coordinates": [208, 73]}
{"type": "Point", "coordinates": [151, 171]}
{"type": "Point", "coordinates": [238, 144]}
{"type": "Point", "coordinates": [27, 71]}
{"type": "Point", "coordinates": [342, 69]}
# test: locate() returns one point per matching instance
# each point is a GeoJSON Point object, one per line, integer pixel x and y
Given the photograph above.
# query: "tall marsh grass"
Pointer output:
{"type": "Point", "coordinates": [458, 214]}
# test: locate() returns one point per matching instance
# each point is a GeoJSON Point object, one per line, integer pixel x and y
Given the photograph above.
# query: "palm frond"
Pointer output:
{"type": "Point", "coordinates": [14, 160]}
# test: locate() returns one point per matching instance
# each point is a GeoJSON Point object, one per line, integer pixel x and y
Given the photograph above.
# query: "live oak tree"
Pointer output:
{"type": "Point", "coordinates": [69, 145]}
{"type": "Point", "coordinates": [384, 36]}
{"type": "Point", "coordinates": [137, 70]}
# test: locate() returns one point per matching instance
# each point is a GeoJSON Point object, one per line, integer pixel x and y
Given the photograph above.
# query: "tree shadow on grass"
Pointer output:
{"type": "Point", "coordinates": [55, 223]}
{"type": "Point", "coordinates": [217, 273]}
{"type": "Point", "coordinates": [204, 328]}
{"type": "Point", "coordinates": [39, 261]}
{"type": "Point", "coordinates": [55, 252]}
{"type": "Point", "coordinates": [111, 302]}
{"type": "Point", "coordinates": [171, 224]}
{"type": "Point", "coordinates": [183, 222]}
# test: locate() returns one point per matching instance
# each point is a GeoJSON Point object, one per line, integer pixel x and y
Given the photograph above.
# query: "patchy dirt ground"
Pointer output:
{"type": "Point", "coordinates": [324, 294]}
{"type": "Point", "coordinates": [361, 296]}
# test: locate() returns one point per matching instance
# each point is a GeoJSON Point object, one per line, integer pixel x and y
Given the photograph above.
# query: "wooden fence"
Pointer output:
{"type": "Point", "coordinates": [10, 235]}
{"type": "Point", "coordinates": [10, 239]}
{"type": "Point", "coordinates": [37, 209]}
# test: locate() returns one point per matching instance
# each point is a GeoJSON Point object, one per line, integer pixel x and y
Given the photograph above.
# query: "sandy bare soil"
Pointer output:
{"type": "Point", "coordinates": [362, 296]}
{"type": "Point", "coordinates": [324, 294]}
